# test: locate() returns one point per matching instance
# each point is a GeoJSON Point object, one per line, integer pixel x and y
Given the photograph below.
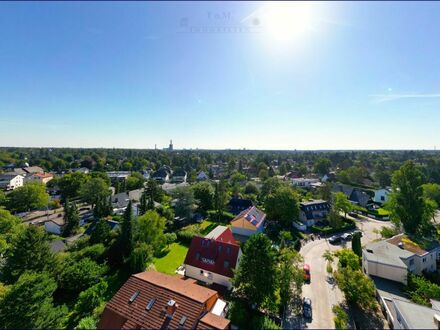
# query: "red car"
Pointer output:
{"type": "Point", "coordinates": [307, 276]}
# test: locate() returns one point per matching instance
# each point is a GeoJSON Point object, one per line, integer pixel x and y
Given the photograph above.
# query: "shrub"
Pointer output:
{"type": "Point", "coordinates": [341, 317]}
{"type": "Point", "coordinates": [264, 322]}
{"type": "Point", "coordinates": [186, 234]}
{"type": "Point", "coordinates": [224, 217]}
{"type": "Point", "coordinates": [346, 225]}
{"type": "Point", "coordinates": [388, 232]}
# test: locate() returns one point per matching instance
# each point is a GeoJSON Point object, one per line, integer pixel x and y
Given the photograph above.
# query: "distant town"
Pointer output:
{"type": "Point", "coordinates": [166, 238]}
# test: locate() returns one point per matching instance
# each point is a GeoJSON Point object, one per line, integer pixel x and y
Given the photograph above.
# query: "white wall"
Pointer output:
{"type": "Point", "coordinates": [378, 194]}
{"type": "Point", "coordinates": [194, 273]}
{"type": "Point", "coordinates": [394, 273]}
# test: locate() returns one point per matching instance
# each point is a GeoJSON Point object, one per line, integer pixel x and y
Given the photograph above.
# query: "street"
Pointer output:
{"type": "Point", "coordinates": [322, 293]}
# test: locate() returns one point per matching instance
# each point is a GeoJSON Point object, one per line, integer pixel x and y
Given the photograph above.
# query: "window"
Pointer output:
{"type": "Point", "coordinates": [150, 304]}
{"type": "Point", "coordinates": [228, 250]}
{"type": "Point", "coordinates": [219, 249]}
{"type": "Point", "coordinates": [198, 255]}
{"type": "Point", "coordinates": [133, 297]}
{"type": "Point", "coordinates": [424, 259]}
{"type": "Point", "coordinates": [226, 264]}
{"type": "Point", "coordinates": [411, 262]}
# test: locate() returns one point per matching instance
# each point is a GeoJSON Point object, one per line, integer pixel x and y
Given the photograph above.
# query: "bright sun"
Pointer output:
{"type": "Point", "coordinates": [285, 21]}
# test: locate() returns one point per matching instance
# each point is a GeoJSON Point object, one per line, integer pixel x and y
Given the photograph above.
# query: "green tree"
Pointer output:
{"type": "Point", "coordinates": [348, 259]}
{"type": "Point", "coordinates": [28, 304]}
{"type": "Point", "coordinates": [78, 275]}
{"type": "Point", "coordinates": [256, 278]}
{"type": "Point", "coordinates": [141, 256]}
{"type": "Point", "coordinates": [71, 219]}
{"type": "Point", "coordinates": [356, 245]}
{"type": "Point", "coordinates": [341, 317]}
{"type": "Point", "coordinates": [143, 205]}
{"type": "Point", "coordinates": [88, 300]}
{"type": "Point", "coordinates": [221, 198]}
{"type": "Point", "coordinates": [29, 197]}
{"type": "Point", "coordinates": [70, 184]}
{"type": "Point", "coordinates": [322, 166]}
{"type": "Point", "coordinates": [204, 194]}
{"type": "Point", "coordinates": [10, 227]}
{"type": "Point", "coordinates": [283, 206]}
{"type": "Point", "coordinates": [134, 181]}
{"type": "Point", "coordinates": [432, 191]}
{"type": "Point", "coordinates": [94, 190]}
{"type": "Point", "coordinates": [341, 203]}
{"type": "Point", "coordinates": [101, 233]}
{"type": "Point", "coordinates": [126, 237]}
{"type": "Point", "coordinates": [154, 193]}
{"type": "Point", "coordinates": [170, 238]}
{"type": "Point", "coordinates": [30, 251]}
{"type": "Point", "coordinates": [269, 187]}
{"type": "Point", "coordinates": [291, 276]}
{"type": "Point", "coordinates": [103, 207]}
{"type": "Point", "coordinates": [87, 323]}
{"type": "Point", "coordinates": [150, 230]}
{"type": "Point", "coordinates": [184, 202]}
{"type": "Point", "coordinates": [406, 202]}
{"type": "Point", "coordinates": [357, 288]}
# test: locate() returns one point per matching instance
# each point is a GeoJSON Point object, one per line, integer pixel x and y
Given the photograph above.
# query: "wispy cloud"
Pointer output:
{"type": "Point", "coordinates": [381, 98]}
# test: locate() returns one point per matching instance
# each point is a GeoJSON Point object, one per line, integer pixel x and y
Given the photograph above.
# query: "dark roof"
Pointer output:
{"type": "Point", "coordinates": [161, 173]}
{"type": "Point", "coordinates": [179, 172]}
{"type": "Point", "coordinates": [212, 255]}
{"type": "Point", "coordinates": [355, 195]}
{"type": "Point", "coordinates": [311, 206]}
{"type": "Point", "coordinates": [192, 301]}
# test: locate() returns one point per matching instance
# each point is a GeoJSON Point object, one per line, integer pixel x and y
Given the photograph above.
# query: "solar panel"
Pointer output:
{"type": "Point", "coordinates": [133, 297]}
{"type": "Point", "coordinates": [150, 304]}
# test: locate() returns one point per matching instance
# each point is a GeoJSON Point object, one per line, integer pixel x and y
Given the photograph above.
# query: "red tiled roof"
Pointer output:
{"type": "Point", "coordinates": [212, 321]}
{"type": "Point", "coordinates": [43, 175]}
{"type": "Point", "coordinates": [212, 255]}
{"type": "Point", "coordinates": [192, 300]}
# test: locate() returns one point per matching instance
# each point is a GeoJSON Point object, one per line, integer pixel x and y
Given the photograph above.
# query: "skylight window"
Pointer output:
{"type": "Point", "coordinates": [150, 304]}
{"type": "Point", "coordinates": [133, 297]}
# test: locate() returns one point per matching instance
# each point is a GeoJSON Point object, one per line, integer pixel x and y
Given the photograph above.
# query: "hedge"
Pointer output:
{"type": "Point", "coordinates": [224, 217]}
{"type": "Point", "coordinates": [348, 224]}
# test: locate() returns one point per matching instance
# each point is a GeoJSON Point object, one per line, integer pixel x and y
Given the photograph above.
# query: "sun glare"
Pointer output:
{"type": "Point", "coordinates": [285, 21]}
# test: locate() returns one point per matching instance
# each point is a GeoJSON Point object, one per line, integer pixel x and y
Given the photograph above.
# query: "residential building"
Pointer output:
{"type": "Point", "coordinates": [39, 177]}
{"type": "Point", "coordinates": [55, 225]}
{"type": "Point", "coordinates": [83, 170]}
{"type": "Point", "coordinates": [248, 222]}
{"type": "Point", "coordinates": [313, 211]}
{"type": "Point", "coordinates": [163, 174]}
{"type": "Point", "coordinates": [303, 182]}
{"type": "Point", "coordinates": [118, 175]}
{"type": "Point", "coordinates": [213, 258]}
{"type": "Point", "coordinates": [11, 181]}
{"type": "Point", "coordinates": [237, 205]}
{"type": "Point", "coordinates": [381, 195]}
{"type": "Point", "coordinates": [395, 257]}
{"type": "Point", "coordinates": [202, 176]}
{"type": "Point", "coordinates": [33, 169]}
{"type": "Point", "coordinates": [355, 195]}
{"type": "Point", "coordinates": [179, 175]}
{"type": "Point", "coordinates": [152, 300]}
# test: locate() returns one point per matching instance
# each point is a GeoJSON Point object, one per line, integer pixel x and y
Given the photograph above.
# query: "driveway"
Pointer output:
{"type": "Point", "coordinates": [323, 294]}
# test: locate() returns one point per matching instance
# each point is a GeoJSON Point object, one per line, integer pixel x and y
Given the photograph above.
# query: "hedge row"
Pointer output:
{"type": "Point", "coordinates": [348, 224]}
{"type": "Point", "coordinates": [224, 217]}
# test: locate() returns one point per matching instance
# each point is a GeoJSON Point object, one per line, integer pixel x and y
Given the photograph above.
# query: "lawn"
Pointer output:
{"type": "Point", "coordinates": [171, 258]}
{"type": "Point", "coordinates": [382, 212]}
{"type": "Point", "coordinates": [207, 225]}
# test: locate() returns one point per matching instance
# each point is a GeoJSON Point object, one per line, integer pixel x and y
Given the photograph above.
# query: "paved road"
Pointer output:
{"type": "Point", "coordinates": [323, 294]}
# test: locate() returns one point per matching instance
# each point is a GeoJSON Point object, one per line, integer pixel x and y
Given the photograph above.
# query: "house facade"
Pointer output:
{"type": "Point", "coordinates": [313, 211]}
{"type": "Point", "coordinates": [39, 177]}
{"type": "Point", "coordinates": [303, 182]}
{"type": "Point", "coordinates": [381, 195]}
{"type": "Point", "coordinates": [213, 258]}
{"type": "Point", "coordinates": [179, 176]}
{"type": "Point", "coordinates": [395, 257]}
{"type": "Point", "coordinates": [249, 222]}
{"type": "Point", "coordinates": [11, 181]}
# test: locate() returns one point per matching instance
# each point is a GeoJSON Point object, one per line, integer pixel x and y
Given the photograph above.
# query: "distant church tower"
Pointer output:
{"type": "Point", "coordinates": [170, 148]}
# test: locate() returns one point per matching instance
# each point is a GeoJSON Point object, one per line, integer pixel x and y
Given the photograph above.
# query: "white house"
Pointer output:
{"type": "Point", "coordinates": [304, 182]}
{"type": "Point", "coordinates": [381, 195]}
{"type": "Point", "coordinates": [11, 181]}
{"type": "Point", "coordinates": [54, 226]}
{"type": "Point", "coordinates": [393, 258]}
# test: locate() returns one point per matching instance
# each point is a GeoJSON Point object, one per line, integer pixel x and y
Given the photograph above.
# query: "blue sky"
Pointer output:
{"type": "Point", "coordinates": [348, 76]}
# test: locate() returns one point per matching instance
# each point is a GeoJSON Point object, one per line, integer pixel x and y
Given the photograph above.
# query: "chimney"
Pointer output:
{"type": "Point", "coordinates": [437, 320]}
{"type": "Point", "coordinates": [171, 308]}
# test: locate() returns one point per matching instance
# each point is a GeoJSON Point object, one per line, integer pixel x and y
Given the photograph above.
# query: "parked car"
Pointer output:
{"type": "Point", "coordinates": [347, 237]}
{"type": "Point", "coordinates": [307, 308]}
{"type": "Point", "coordinates": [307, 276]}
{"type": "Point", "coordinates": [334, 239]}
{"type": "Point", "coordinates": [353, 214]}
